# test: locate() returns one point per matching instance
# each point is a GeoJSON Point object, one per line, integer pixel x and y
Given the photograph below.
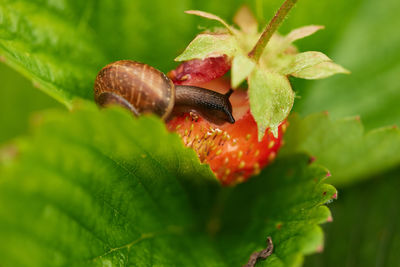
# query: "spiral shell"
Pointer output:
{"type": "Point", "coordinates": [137, 86]}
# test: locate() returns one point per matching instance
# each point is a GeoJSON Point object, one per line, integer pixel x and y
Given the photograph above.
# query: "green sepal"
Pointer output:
{"type": "Point", "coordinates": [242, 66]}
{"type": "Point", "coordinates": [271, 99]}
{"type": "Point", "coordinates": [320, 71]}
{"type": "Point", "coordinates": [209, 45]}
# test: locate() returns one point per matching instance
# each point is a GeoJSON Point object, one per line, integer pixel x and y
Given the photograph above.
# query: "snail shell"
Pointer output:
{"type": "Point", "coordinates": [144, 89]}
{"type": "Point", "coordinates": [140, 87]}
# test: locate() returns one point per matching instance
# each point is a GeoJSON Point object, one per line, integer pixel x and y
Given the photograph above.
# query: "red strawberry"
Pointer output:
{"type": "Point", "coordinates": [232, 150]}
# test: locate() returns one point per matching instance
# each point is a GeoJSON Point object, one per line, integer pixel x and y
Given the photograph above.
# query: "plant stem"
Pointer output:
{"type": "Point", "coordinates": [273, 25]}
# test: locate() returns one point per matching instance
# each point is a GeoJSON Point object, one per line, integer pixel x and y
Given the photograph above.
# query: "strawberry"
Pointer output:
{"type": "Point", "coordinates": [232, 150]}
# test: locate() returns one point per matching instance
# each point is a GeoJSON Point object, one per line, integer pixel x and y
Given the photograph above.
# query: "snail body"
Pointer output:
{"type": "Point", "coordinates": [143, 89]}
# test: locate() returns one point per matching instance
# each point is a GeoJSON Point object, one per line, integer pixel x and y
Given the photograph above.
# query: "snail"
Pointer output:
{"type": "Point", "coordinates": [144, 89]}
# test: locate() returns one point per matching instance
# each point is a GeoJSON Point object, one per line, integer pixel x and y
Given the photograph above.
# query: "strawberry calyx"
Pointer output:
{"type": "Point", "coordinates": [265, 59]}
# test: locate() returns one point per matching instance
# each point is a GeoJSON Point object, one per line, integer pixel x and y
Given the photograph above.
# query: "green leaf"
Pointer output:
{"type": "Point", "coordinates": [320, 71]}
{"type": "Point", "coordinates": [58, 55]}
{"type": "Point", "coordinates": [209, 45]}
{"type": "Point", "coordinates": [118, 190]}
{"type": "Point", "coordinates": [111, 182]}
{"type": "Point", "coordinates": [343, 146]}
{"type": "Point", "coordinates": [365, 229]}
{"type": "Point", "coordinates": [285, 199]}
{"type": "Point", "coordinates": [271, 99]}
{"type": "Point", "coordinates": [242, 66]}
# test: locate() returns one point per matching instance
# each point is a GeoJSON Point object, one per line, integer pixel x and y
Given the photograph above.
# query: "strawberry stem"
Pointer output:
{"type": "Point", "coordinates": [272, 26]}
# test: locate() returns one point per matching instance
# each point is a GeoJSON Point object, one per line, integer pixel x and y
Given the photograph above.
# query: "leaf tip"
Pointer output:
{"type": "Point", "coordinates": [261, 132]}
{"type": "Point", "coordinates": [211, 17]}
{"type": "Point", "coordinates": [274, 131]}
{"type": "Point", "coordinates": [345, 71]}
{"type": "Point", "coordinates": [192, 12]}
{"type": "Point", "coordinates": [318, 27]}
{"type": "Point", "coordinates": [178, 58]}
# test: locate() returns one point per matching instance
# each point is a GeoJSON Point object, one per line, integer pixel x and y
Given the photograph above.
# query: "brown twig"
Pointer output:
{"type": "Point", "coordinates": [263, 254]}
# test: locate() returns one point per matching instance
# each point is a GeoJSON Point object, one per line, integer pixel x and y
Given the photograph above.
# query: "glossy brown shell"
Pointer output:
{"type": "Point", "coordinates": [147, 89]}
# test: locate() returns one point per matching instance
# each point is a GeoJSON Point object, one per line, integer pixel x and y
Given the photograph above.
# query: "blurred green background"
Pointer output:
{"type": "Point", "coordinates": [18, 101]}
{"type": "Point", "coordinates": [361, 35]}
